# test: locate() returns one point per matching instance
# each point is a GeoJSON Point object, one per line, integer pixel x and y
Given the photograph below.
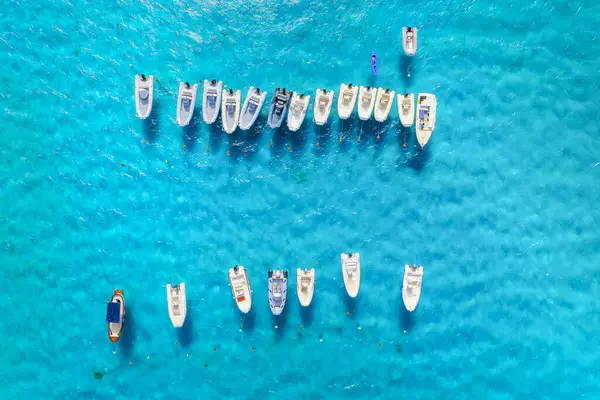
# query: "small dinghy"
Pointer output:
{"type": "Point", "coordinates": [251, 108]}
{"type": "Point", "coordinates": [186, 101]}
{"type": "Point", "coordinates": [323, 103]}
{"type": "Point", "coordinates": [177, 304]}
{"type": "Point", "coordinates": [211, 100]}
{"type": "Point", "coordinates": [426, 110]}
{"type": "Point", "coordinates": [230, 110]}
{"type": "Point", "coordinates": [277, 290]}
{"type": "Point", "coordinates": [351, 273]}
{"type": "Point", "coordinates": [115, 315]}
{"type": "Point", "coordinates": [305, 285]}
{"type": "Point", "coordinates": [406, 109]}
{"type": "Point", "coordinates": [347, 100]}
{"type": "Point", "coordinates": [240, 287]}
{"type": "Point", "coordinates": [279, 106]}
{"type": "Point", "coordinates": [374, 63]}
{"type": "Point", "coordinates": [411, 286]}
{"type": "Point", "coordinates": [409, 41]}
{"type": "Point", "coordinates": [298, 108]}
{"type": "Point", "coordinates": [383, 104]}
{"type": "Point", "coordinates": [144, 90]}
{"type": "Point", "coordinates": [366, 102]}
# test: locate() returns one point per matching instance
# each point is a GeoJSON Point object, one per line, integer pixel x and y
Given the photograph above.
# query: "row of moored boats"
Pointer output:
{"type": "Point", "coordinates": [291, 106]}
{"type": "Point", "coordinates": [277, 288]}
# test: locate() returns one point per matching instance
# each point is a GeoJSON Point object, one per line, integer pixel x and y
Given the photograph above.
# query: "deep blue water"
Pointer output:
{"type": "Point", "coordinates": [500, 208]}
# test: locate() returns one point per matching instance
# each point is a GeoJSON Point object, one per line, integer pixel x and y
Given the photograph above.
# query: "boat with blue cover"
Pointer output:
{"type": "Point", "coordinates": [115, 315]}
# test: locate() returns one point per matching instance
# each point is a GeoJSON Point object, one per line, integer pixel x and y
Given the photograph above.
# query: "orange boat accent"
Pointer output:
{"type": "Point", "coordinates": [240, 299]}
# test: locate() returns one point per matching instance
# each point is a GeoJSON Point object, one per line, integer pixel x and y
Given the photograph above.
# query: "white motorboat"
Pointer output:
{"type": "Point", "coordinates": [240, 287]}
{"type": "Point", "coordinates": [347, 100]}
{"type": "Point", "coordinates": [351, 273]}
{"type": "Point", "coordinates": [277, 290]}
{"type": "Point", "coordinates": [278, 109]}
{"type": "Point", "coordinates": [211, 100]}
{"type": "Point", "coordinates": [144, 92]}
{"type": "Point", "coordinates": [298, 108]}
{"type": "Point", "coordinates": [323, 103]}
{"type": "Point", "coordinates": [426, 109]}
{"type": "Point", "coordinates": [186, 101]}
{"type": "Point", "coordinates": [251, 108]}
{"type": "Point", "coordinates": [383, 104]}
{"type": "Point", "coordinates": [409, 40]}
{"type": "Point", "coordinates": [411, 286]}
{"type": "Point", "coordinates": [366, 102]}
{"type": "Point", "coordinates": [176, 302]}
{"type": "Point", "coordinates": [115, 315]}
{"type": "Point", "coordinates": [406, 109]}
{"type": "Point", "coordinates": [305, 285]}
{"type": "Point", "coordinates": [230, 110]}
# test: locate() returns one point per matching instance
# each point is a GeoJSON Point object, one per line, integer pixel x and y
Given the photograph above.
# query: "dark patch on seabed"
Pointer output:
{"type": "Point", "coordinates": [418, 160]}
{"type": "Point", "coordinates": [151, 125]}
{"type": "Point", "coordinates": [125, 344]}
{"type": "Point", "coordinates": [186, 332]}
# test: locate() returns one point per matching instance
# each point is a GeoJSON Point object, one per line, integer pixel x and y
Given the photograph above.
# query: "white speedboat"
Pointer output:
{"type": "Point", "coordinates": [411, 286]}
{"type": "Point", "coordinates": [426, 109]}
{"type": "Point", "coordinates": [278, 109]}
{"type": "Point", "coordinates": [251, 108]}
{"type": "Point", "coordinates": [144, 91]}
{"type": "Point", "coordinates": [177, 304]}
{"type": "Point", "coordinates": [406, 109]}
{"type": "Point", "coordinates": [240, 287]}
{"type": "Point", "coordinates": [277, 290]}
{"type": "Point", "coordinates": [211, 100]}
{"type": "Point", "coordinates": [383, 104]}
{"type": "Point", "coordinates": [230, 110]}
{"type": "Point", "coordinates": [347, 100]}
{"type": "Point", "coordinates": [298, 108]}
{"type": "Point", "coordinates": [115, 315]}
{"type": "Point", "coordinates": [323, 103]}
{"type": "Point", "coordinates": [366, 102]}
{"type": "Point", "coordinates": [409, 40]}
{"type": "Point", "coordinates": [186, 101]}
{"type": "Point", "coordinates": [351, 273]}
{"type": "Point", "coordinates": [305, 285]}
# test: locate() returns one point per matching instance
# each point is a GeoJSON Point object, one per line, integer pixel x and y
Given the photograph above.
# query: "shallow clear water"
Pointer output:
{"type": "Point", "coordinates": [500, 208]}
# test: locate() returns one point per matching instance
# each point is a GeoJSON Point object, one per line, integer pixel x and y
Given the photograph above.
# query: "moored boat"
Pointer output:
{"type": "Point", "coordinates": [251, 108]}
{"type": "Point", "coordinates": [409, 41]}
{"type": "Point", "coordinates": [144, 92]}
{"type": "Point", "coordinates": [230, 110]}
{"type": "Point", "coordinates": [115, 315]}
{"type": "Point", "coordinates": [305, 285]}
{"type": "Point", "coordinates": [240, 288]}
{"type": "Point", "coordinates": [383, 104]}
{"type": "Point", "coordinates": [426, 112]}
{"type": "Point", "coordinates": [211, 100]}
{"type": "Point", "coordinates": [323, 103]}
{"type": "Point", "coordinates": [298, 108]}
{"type": "Point", "coordinates": [366, 102]}
{"type": "Point", "coordinates": [176, 301]}
{"type": "Point", "coordinates": [351, 273]}
{"type": "Point", "coordinates": [347, 100]}
{"type": "Point", "coordinates": [411, 286]}
{"type": "Point", "coordinates": [186, 102]}
{"type": "Point", "coordinates": [406, 109]}
{"type": "Point", "coordinates": [278, 109]}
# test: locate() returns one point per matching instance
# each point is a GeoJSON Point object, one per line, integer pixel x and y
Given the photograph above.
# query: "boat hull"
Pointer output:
{"type": "Point", "coordinates": [411, 286]}
{"type": "Point", "coordinates": [210, 108]}
{"type": "Point", "coordinates": [410, 48]}
{"type": "Point", "coordinates": [230, 110]}
{"type": "Point", "coordinates": [247, 118]}
{"type": "Point", "coordinates": [297, 112]}
{"type": "Point", "coordinates": [305, 285]}
{"type": "Point", "coordinates": [177, 304]}
{"type": "Point", "coordinates": [278, 280]}
{"type": "Point", "coordinates": [322, 109]}
{"type": "Point", "coordinates": [382, 108]}
{"type": "Point", "coordinates": [240, 288]}
{"type": "Point", "coordinates": [347, 100]}
{"type": "Point", "coordinates": [185, 110]}
{"type": "Point", "coordinates": [407, 115]}
{"type": "Point", "coordinates": [366, 102]}
{"type": "Point", "coordinates": [144, 94]}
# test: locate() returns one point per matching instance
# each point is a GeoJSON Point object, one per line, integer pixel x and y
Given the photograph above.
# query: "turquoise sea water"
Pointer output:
{"type": "Point", "coordinates": [500, 208]}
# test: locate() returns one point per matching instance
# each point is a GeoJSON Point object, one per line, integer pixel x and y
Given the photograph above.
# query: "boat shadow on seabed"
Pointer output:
{"type": "Point", "coordinates": [151, 125]}
{"type": "Point", "coordinates": [186, 333]}
{"type": "Point", "coordinates": [125, 344]}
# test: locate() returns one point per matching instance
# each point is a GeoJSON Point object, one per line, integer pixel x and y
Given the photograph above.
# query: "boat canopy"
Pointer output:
{"type": "Point", "coordinates": [113, 313]}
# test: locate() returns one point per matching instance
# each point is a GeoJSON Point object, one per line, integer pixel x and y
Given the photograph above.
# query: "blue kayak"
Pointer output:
{"type": "Point", "coordinates": [374, 63]}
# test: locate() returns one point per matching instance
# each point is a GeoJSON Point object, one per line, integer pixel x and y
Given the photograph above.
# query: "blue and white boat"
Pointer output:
{"type": "Point", "coordinates": [277, 290]}
{"type": "Point", "coordinates": [186, 102]}
{"type": "Point", "coordinates": [115, 315]}
{"type": "Point", "coordinates": [211, 100]}
{"type": "Point", "coordinates": [251, 108]}
{"type": "Point", "coordinates": [279, 106]}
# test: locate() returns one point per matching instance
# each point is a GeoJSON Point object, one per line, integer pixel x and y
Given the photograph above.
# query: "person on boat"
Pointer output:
{"type": "Point", "coordinates": [368, 87]}
{"type": "Point", "coordinates": [302, 96]}
{"type": "Point", "coordinates": [230, 91]}
{"type": "Point", "coordinates": [187, 85]}
{"type": "Point", "coordinates": [350, 255]}
{"type": "Point", "coordinates": [143, 77]}
{"type": "Point", "coordinates": [213, 81]}
{"type": "Point", "coordinates": [324, 91]}
{"type": "Point", "coordinates": [405, 94]}
{"type": "Point", "coordinates": [350, 85]}
{"type": "Point", "coordinates": [409, 29]}
{"type": "Point", "coordinates": [235, 269]}
{"type": "Point", "coordinates": [283, 90]}
{"type": "Point", "coordinates": [387, 90]}
{"type": "Point", "coordinates": [257, 90]}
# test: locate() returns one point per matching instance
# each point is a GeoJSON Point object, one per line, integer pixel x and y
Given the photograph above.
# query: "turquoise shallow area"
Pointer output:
{"type": "Point", "coordinates": [500, 208]}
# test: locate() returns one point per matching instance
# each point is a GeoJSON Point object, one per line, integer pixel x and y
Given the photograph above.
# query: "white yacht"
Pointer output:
{"type": "Point", "coordinates": [383, 104]}
{"type": "Point", "coordinates": [347, 100]}
{"type": "Point", "coordinates": [251, 108]}
{"type": "Point", "coordinates": [176, 302]}
{"type": "Point", "coordinates": [323, 103]}
{"type": "Point", "coordinates": [115, 315]}
{"type": "Point", "coordinates": [211, 100]}
{"type": "Point", "coordinates": [297, 112]}
{"type": "Point", "coordinates": [186, 101]}
{"type": "Point", "coordinates": [409, 40]}
{"type": "Point", "coordinates": [305, 285]}
{"type": "Point", "coordinates": [144, 91]}
{"type": "Point", "coordinates": [230, 110]}
{"type": "Point", "coordinates": [426, 109]}
{"type": "Point", "coordinates": [351, 273]}
{"type": "Point", "coordinates": [240, 288]}
{"type": "Point", "coordinates": [406, 109]}
{"type": "Point", "coordinates": [411, 286]}
{"type": "Point", "coordinates": [278, 109]}
{"type": "Point", "coordinates": [366, 102]}
{"type": "Point", "coordinates": [277, 290]}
